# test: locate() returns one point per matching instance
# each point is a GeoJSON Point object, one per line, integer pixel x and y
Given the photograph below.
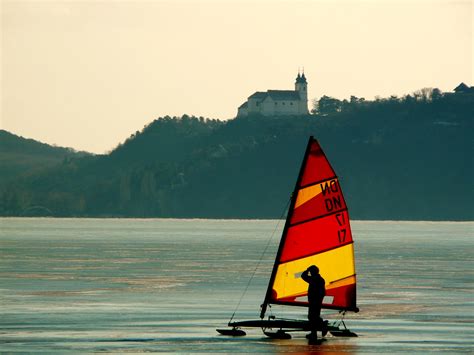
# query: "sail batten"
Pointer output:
{"type": "Point", "coordinates": [317, 232]}
{"type": "Point", "coordinates": [318, 217]}
{"type": "Point", "coordinates": [319, 182]}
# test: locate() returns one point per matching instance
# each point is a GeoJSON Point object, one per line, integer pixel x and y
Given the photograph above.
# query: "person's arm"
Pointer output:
{"type": "Point", "coordinates": [305, 276]}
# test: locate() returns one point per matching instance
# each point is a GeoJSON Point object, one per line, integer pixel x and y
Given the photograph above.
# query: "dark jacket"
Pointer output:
{"type": "Point", "coordinates": [316, 288]}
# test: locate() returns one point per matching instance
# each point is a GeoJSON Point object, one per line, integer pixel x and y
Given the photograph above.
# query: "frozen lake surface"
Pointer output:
{"type": "Point", "coordinates": [129, 285]}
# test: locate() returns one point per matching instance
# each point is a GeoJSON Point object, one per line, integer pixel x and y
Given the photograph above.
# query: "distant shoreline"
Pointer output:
{"type": "Point", "coordinates": [228, 219]}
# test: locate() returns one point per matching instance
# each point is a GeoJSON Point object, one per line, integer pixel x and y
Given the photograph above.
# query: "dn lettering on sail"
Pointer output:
{"type": "Point", "coordinates": [332, 197]}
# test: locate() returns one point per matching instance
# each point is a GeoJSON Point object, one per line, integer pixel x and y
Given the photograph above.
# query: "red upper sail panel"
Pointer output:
{"type": "Point", "coordinates": [326, 234]}
{"type": "Point", "coordinates": [317, 166]}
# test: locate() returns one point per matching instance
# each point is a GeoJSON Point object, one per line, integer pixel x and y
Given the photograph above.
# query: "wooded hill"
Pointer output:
{"type": "Point", "coordinates": [20, 156]}
{"type": "Point", "coordinates": [397, 159]}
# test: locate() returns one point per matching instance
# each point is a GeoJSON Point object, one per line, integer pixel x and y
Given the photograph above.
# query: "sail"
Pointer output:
{"type": "Point", "coordinates": [317, 232]}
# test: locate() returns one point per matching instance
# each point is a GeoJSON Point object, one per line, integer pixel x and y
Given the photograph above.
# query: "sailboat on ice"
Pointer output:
{"type": "Point", "coordinates": [317, 232]}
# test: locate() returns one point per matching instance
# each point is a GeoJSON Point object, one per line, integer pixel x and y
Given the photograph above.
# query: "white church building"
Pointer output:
{"type": "Point", "coordinates": [278, 102]}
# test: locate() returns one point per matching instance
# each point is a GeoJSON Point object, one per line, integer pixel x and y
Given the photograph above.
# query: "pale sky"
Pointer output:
{"type": "Point", "coordinates": [88, 74]}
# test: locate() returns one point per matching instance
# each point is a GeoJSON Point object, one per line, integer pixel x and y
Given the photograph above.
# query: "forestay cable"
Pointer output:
{"type": "Point", "coordinates": [260, 260]}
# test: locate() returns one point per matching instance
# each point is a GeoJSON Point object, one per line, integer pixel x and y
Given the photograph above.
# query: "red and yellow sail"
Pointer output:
{"type": "Point", "coordinates": [317, 232]}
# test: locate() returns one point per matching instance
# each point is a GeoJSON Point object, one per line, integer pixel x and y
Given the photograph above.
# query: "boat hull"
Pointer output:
{"type": "Point", "coordinates": [234, 332]}
{"type": "Point", "coordinates": [287, 325]}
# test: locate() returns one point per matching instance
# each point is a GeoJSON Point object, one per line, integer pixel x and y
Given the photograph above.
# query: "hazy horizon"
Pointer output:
{"type": "Point", "coordinates": [87, 75]}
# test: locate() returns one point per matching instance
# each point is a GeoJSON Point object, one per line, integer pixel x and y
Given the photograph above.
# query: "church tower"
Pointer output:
{"type": "Point", "coordinates": [301, 86]}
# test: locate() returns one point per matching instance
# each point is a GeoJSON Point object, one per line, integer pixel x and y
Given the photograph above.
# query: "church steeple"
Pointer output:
{"type": "Point", "coordinates": [301, 86]}
{"type": "Point", "coordinates": [301, 78]}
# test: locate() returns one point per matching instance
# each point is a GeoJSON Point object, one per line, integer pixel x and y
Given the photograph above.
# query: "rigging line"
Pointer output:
{"type": "Point", "coordinates": [260, 260]}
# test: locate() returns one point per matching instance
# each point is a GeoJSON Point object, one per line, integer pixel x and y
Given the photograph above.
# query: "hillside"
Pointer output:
{"type": "Point", "coordinates": [20, 156]}
{"type": "Point", "coordinates": [408, 159]}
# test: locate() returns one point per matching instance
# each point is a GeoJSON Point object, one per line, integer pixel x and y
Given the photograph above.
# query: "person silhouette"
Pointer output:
{"type": "Point", "coordinates": [316, 293]}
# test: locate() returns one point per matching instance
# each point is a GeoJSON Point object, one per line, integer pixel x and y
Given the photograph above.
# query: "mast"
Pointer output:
{"type": "Point", "coordinates": [285, 230]}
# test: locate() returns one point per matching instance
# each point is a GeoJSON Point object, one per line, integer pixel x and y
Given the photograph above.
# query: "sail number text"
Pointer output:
{"type": "Point", "coordinates": [333, 202]}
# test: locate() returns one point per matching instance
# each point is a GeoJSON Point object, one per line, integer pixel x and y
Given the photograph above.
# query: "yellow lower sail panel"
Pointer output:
{"type": "Point", "coordinates": [334, 265]}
